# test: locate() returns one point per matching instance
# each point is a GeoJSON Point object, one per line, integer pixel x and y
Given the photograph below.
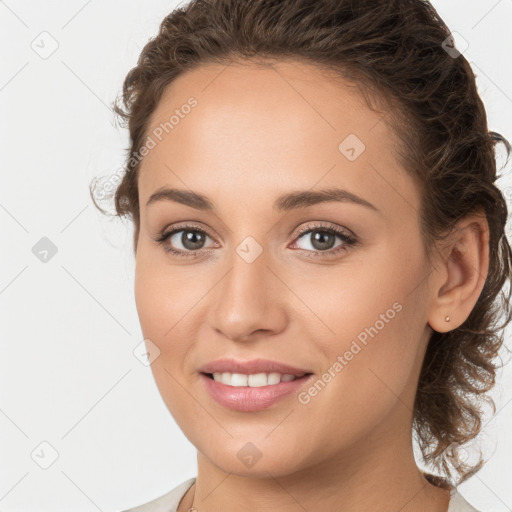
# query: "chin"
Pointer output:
{"type": "Point", "coordinates": [258, 459]}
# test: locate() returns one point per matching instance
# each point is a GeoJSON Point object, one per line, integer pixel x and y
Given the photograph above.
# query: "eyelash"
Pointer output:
{"type": "Point", "coordinates": [348, 240]}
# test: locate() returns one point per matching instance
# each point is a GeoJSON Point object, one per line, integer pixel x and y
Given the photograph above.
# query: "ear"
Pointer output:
{"type": "Point", "coordinates": [460, 274]}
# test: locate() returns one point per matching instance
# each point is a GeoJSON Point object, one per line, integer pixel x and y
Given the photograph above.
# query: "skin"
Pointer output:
{"type": "Point", "coordinates": [257, 133]}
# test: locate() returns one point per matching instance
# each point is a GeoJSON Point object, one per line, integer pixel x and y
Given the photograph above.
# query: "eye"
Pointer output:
{"type": "Point", "coordinates": [323, 239]}
{"type": "Point", "coordinates": [190, 237]}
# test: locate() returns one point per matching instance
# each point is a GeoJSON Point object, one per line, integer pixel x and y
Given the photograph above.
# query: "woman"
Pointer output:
{"type": "Point", "coordinates": [320, 251]}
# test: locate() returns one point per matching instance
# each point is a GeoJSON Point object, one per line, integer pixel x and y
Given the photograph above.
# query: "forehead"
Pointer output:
{"type": "Point", "coordinates": [254, 127]}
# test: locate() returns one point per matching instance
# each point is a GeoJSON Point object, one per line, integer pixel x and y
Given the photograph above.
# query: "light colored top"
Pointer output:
{"type": "Point", "coordinates": [169, 502]}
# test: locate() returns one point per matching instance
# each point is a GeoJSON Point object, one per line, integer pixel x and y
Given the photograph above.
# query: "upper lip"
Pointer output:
{"type": "Point", "coordinates": [250, 367]}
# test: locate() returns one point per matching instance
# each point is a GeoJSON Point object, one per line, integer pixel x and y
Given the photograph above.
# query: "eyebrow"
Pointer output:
{"type": "Point", "coordinates": [286, 202]}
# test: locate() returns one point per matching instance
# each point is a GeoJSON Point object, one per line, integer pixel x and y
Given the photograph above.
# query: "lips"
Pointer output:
{"type": "Point", "coordinates": [252, 399]}
{"type": "Point", "coordinates": [251, 366]}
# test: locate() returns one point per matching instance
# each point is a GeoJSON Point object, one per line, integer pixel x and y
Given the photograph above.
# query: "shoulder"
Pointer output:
{"type": "Point", "coordinates": [166, 503]}
{"type": "Point", "coordinates": [459, 504]}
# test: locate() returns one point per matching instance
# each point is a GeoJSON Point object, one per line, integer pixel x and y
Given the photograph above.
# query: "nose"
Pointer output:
{"type": "Point", "coordinates": [248, 300]}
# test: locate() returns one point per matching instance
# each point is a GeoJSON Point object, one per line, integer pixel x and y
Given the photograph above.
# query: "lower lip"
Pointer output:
{"type": "Point", "coordinates": [248, 399]}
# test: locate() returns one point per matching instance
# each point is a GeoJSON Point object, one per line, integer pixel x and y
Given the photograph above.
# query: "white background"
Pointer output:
{"type": "Point", "coordinates": [69, 326]}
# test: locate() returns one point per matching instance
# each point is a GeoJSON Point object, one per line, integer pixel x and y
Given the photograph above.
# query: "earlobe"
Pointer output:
{"type": "Point", "coordinates": [461, 274]}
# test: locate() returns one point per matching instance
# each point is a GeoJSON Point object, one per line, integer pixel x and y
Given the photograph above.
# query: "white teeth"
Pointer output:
{"type": "Point", "coordinates": [255, 380]}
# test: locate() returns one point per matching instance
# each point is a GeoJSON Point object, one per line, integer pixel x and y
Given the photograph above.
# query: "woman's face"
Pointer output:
{"type": "Point", "coordinates": [252, 283]}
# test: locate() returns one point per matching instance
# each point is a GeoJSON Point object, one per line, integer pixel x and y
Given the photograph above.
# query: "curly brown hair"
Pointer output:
{"type": "Point", "coordinates": [396, 51]}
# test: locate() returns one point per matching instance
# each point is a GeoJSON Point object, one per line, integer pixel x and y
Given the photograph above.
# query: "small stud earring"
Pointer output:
{"type": "Point", "coordinates": [447, 318]}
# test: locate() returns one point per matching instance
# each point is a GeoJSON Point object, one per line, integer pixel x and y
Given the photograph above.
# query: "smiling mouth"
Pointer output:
{"type": "Point", "coordinates": [253, 380]}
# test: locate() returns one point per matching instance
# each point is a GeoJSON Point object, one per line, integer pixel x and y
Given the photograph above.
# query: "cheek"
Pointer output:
{"type": "Point", "coordinates": [168, 303]}
{"type": "Point", "coordinates": [369, 367]}
{"type": "Point", "coordinates": [372, 339]}
{"type": "Point", "coordinates": [375, 349]}
{"type": "Point", "coordinates": [148, 291]}
{"type": "Point", "coordinates": [160, 306]}
{"type": "Point", "coordinates": [160, 295]}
